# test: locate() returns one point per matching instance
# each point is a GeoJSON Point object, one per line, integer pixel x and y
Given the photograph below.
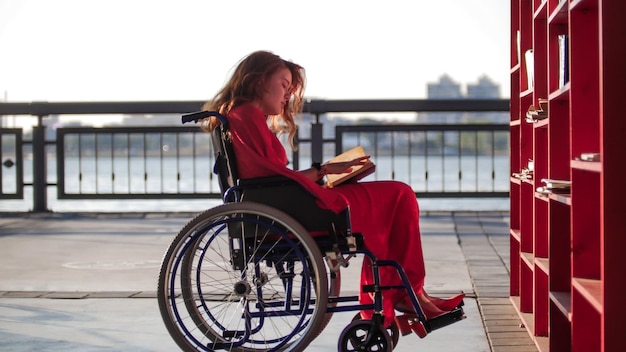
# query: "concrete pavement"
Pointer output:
{"type": "Point", "coordinates": [87, 282]}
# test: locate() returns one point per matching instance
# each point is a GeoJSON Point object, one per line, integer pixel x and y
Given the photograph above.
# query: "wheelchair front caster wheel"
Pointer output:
{"type": "Point", "coordinates": [363, 335]}
{"type": "Point", "coordinates": [392, 330]}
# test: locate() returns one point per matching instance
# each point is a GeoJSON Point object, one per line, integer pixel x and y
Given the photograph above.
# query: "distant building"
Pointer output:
{"type": "Point", "coordinates": [485, 89]}
{"type": "Point", "coordinates": [447, 88]}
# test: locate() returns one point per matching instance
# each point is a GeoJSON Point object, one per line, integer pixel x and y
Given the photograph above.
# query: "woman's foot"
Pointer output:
{"type": "Point", "coordinates": [447, 304]}
{"type": "Point", "coordinates": [429, 309]}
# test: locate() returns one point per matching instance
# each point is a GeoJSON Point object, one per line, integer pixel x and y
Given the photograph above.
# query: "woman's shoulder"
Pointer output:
{"type": "Point", "coordinates": [245, 111]}
{"type": "Point", "coordinates": [246, 117]}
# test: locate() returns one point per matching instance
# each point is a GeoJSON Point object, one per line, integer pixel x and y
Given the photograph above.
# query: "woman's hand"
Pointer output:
{"type": "Point", "coordinates": [344, 166]}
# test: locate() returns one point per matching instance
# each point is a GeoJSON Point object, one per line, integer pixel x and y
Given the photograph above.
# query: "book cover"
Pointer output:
{"type": "Point", "coordinates": [563, 60]}
{"type": "Point", "coordinates": [357, 173]}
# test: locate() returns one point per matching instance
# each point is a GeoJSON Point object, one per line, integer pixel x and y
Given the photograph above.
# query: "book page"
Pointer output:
{"type": "Point", "coordinates": [357, 173]}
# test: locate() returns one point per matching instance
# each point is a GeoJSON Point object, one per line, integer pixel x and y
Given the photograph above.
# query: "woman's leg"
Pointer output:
{"type": "Point", "coordinates": [387, 214]}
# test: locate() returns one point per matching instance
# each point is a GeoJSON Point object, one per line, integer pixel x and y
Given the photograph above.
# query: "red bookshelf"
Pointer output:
{"type": "Point", "coordinates": [567, 248]}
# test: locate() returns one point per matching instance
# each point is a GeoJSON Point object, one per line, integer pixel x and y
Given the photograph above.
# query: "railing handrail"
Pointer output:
{"type": "Point", "coordinates": [312, 106]}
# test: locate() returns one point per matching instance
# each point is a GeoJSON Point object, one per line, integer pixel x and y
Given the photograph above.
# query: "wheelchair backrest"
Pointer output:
{"type": "Point", "coordinates": [225, 163]}
{"type": "Point", "coordinates": [225, 166]}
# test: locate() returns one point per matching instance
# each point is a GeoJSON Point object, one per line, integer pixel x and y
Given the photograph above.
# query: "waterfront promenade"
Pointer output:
{"type": "Point", "coordinates": [87, 282]}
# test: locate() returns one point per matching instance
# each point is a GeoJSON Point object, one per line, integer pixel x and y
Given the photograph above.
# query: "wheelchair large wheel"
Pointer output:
{"type": "Point", "coordinates": [243, 277]}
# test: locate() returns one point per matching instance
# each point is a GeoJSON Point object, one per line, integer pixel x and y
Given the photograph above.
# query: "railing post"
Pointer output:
{"type": "Point", "coordinates": [40, 181]}
{"type": "Point", "coordinates": [317, 140]}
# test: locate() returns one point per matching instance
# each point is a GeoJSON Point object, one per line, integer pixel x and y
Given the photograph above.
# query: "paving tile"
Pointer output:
{"type": "Point", "coordinates": [145, 294]}
{"type": "Point", "coordinates": [112, 294]}
{"type": "Point", "coordinates": [494, 301]}
{"type": "Point", "coordinates": [24, 294]}
{"type": "Point", "coordinates": [523, 348]}
{"type": "Point", "coordinates": [521, 334]}
{"type": "Point", "coordinates": [502, 328]}
{"type": "Point", "coordinates": [66, 295]}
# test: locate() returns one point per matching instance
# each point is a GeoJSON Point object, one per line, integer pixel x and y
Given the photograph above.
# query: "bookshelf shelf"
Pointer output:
{"type": "Point", "coordinates": [559, 14]}
{"type": "Point", "coordinates": [526, 93]}
{"type": "Point", "coordinates": [561, 93]}
{"type": "Point", "coordinates": [542, 123]}
{"type": "Point", "coordinates": [567, 260]}
{"type": "Point", "coordinates": [583, 4]}
{"type": "Point", "coordinates": [543, 265]}
{"type": "Point", "coordinates": [586, 165]}
{"type": "Point", "coordinates": [515, 234]}
{"type": "Point", "coordinates": [562, 301]}
{"type": "Point", "coordinates": [540, 10]}
{"type": "Point", "coordinates": [529, 259]}
{"type": "Point", "coordinates": [562, 198]}
{"type": "Point", "coordinates": [591, 290]}
{"type": "Point", "coordinates": [528, 181]}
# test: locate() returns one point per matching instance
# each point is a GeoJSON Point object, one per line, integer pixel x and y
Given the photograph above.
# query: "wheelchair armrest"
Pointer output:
{"type": "Point", "coordinates": [270, 181]}
{"type": "Point", "coordinates": [289, 196]}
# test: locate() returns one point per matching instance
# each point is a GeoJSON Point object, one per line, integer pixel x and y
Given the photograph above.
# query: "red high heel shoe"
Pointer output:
{"type": "Point", "coordinates": [408, 323]}
{"type": "Point", "coordinates": [429, 309]}
{"type": "Point", "coordinates": [448, 304]}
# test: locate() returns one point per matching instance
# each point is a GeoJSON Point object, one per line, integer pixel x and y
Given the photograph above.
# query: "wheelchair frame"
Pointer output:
{"type": "Point", "coordinates": [249, 276]}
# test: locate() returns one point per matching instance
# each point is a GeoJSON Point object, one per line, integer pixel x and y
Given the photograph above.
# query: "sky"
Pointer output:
{"type": "Point", "coordinates": [150, 50]}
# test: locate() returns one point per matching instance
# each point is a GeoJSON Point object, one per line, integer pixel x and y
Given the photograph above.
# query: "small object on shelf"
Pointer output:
{"type": "Point", "coordinates": [590, 157]}
{"type": "Point", "coordinates": [543, 104]}
{"type": "Point", "coordinates": [526, 173]}
{"type": "Point", "coordinates": [535, 114]}
{"type": "Point", "coordinates": [555, 186]}
{"type": "Point", "coordinates": [530, 68]}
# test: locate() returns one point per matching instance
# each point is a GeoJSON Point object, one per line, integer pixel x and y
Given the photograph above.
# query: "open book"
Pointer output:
{"type": "Point", "coordinates": [357, 173]}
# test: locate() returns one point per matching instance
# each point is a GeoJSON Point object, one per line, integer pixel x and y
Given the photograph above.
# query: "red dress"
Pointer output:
{"type": "Point", "coordinates": [385, 212]}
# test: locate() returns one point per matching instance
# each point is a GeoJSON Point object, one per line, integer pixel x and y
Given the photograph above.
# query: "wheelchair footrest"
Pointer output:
{"type": "Point", "coordinates": [444, 320]}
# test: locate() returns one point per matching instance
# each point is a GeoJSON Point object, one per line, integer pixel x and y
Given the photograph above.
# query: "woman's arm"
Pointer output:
{"type": "Point", "coordinates": [318, 171]}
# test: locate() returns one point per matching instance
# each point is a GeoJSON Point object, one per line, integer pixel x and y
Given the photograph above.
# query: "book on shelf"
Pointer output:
{"type": "Point", "coordinates": [357, 172]}
{"type": "Point", "coordinates": [590, 156]}
{"type": "Point", "coordinates": [552, 186]}
{"type": "Point", "coordinates": [530, 67]}
{"type": "Point", "coordinates": [534, 114]}
{"type": "Point", "coordinates": [563, 60]}
{"type": "Point", "coordinates": [557, 186]}
{"type": "Point", "coordinates": [519, 41]}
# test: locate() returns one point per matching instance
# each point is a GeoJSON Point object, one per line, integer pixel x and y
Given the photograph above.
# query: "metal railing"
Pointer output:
{"type": "Point", "coordinates": [175, 162]}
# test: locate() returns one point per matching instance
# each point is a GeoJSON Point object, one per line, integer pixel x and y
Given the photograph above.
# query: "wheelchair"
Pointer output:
{"type": "Point", "coordinates": [261, 272]}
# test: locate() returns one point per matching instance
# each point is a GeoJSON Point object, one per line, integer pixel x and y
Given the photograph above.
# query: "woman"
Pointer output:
{"type": "Point", "coordinates": [267, 91]}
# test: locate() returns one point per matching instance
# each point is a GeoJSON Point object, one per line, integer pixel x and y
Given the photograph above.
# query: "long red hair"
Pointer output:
{"type": "Point", "coordinates": [242, 88]}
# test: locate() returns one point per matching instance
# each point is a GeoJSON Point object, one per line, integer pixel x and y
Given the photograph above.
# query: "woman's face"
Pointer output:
{"type": "Point", "coordinates": [275, 92]}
